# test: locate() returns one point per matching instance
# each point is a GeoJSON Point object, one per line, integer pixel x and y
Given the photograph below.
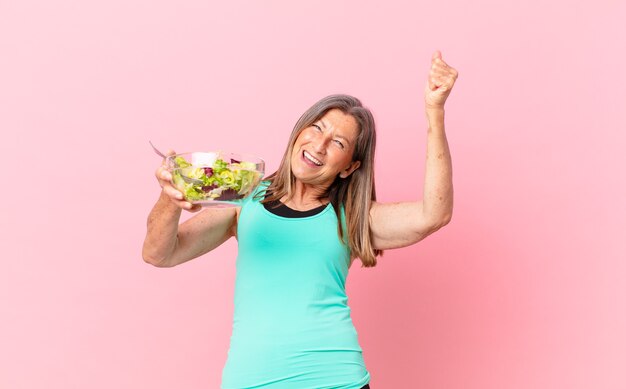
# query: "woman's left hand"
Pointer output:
{"type": "Point", "coordinates": [440, 82]}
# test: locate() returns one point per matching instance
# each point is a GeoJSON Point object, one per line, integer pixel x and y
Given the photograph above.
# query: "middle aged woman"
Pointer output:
{"type": "Point", "coordinates": [299, 234]}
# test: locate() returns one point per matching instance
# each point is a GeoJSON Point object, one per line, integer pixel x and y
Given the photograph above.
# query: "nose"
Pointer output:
{"type": "Point", "coordinates": [320, 143]}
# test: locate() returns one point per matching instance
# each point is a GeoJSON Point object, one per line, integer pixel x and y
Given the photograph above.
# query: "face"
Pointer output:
{"type": "Point", "coordinates": [324, 150]}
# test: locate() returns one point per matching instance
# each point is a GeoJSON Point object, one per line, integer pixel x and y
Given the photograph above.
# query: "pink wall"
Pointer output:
{"type": "Point", "coordinates": [524, 289]}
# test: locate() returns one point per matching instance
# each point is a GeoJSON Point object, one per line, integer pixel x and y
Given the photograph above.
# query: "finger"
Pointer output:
{"type": "Point", "coordinates": [454, 73]}
{"type": "Point", "coordinates": [173, 193]}
{"type": "Point", "coordinates": [438, 71]}
{"type": "Point", "coordinates": [183, 204]}
{"type": "Point", "coordinates": [195, 208]}
{"type": "Point", "coordinates": [437, 75]}
{"type": "Point", "coordinates": [447, 77]}
{"type": "Point", "coordinates": [160, 180]}
{"type": "Point", "coordinates": [447, 73]}
{"type": "Point", "coordinates": [168, 153]}
{"type": "Point", "coordinates": [437, 59]}
{"type": "Point", "coordinates": [442, 82]}
{"type": "Point", "coordinates": [442, 66]}
{"type": "Point", "coordinates": [190, 207]}
{"type": "Point", "coordinates": [431, 84]}
{"type": "Point", "coordinates": [165, 175]}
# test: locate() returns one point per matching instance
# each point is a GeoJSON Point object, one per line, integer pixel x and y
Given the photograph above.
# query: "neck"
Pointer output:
{"type": "Point", "coordinates": [306, 197]}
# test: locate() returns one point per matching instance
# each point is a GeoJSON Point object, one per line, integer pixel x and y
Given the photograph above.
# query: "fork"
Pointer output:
{"type": "Point", "coordinates": [188, 180]}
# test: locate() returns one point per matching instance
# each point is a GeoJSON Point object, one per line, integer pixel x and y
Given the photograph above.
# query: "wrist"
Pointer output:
{"type": "Point", "coordinates": [434, 108]}
{"type": "Point", "coordinates": [435, 116]}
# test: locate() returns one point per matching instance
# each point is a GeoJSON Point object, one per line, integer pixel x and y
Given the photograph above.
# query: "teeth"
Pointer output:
{"type": "Point", "coordinates": [310, 158]}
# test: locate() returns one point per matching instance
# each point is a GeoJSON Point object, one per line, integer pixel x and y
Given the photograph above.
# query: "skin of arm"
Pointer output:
{"type": "Point", "coordinates": [162, 231]}
{"type": "Point", "coordinates": [438, 191]}
{"type": "Point", "coordinates": [167, 244]}
{"type": "Point", "coordinates": [396, 225]}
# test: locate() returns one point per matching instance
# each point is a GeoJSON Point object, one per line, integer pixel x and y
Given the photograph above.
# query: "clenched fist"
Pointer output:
{"type": "Point", "coordinates": [440, 82]}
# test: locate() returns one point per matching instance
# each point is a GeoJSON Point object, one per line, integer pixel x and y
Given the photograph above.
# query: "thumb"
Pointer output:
{"type": "Point", "coordinates": [169, 153]}
{"type": "Point", "coordinates": [430, 86]}
{"type": "Point", "coordinates": [436, 54]}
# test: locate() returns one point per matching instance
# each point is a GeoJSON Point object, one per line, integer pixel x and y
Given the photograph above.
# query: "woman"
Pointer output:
{"type": "Point", "coordinates": [298, 235]}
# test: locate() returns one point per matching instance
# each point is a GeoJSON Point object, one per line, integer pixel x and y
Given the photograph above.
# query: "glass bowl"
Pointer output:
{"type": "Point", "coordinates": [215, 178]}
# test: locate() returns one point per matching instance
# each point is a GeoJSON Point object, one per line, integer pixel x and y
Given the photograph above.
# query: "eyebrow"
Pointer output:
{"type": "Point", "coordinates": [337, 135]}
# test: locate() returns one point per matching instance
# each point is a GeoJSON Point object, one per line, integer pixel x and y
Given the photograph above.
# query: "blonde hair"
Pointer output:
{"type": "Point", "coordinates": [356, 192]}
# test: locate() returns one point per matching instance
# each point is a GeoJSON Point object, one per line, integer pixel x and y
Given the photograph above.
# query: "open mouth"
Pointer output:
{"type": "Point", "coordinates": [311, 159]}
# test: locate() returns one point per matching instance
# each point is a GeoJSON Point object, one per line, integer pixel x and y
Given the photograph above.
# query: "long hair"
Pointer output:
{"type": "Point", "coordinates": [356, 192]}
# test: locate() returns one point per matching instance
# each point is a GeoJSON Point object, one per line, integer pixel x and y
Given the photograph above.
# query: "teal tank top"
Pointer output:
{"type": "Point", "coordinates": [292, 327]}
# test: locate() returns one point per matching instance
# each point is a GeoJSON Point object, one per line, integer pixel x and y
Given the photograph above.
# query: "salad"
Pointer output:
{"type": "Point", "coordinates": [223, 181]}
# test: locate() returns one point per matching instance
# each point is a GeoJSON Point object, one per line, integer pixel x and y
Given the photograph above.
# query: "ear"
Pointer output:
{"type": "Point", "coordinates": [353, 166]}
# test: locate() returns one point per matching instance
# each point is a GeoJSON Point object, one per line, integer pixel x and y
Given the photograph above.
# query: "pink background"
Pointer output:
{"type": "Point", "coordinates": [524, 289]}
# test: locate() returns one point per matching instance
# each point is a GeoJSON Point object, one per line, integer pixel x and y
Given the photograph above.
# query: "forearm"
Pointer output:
{"type": "Point", "coordinates": [438, 192]}
{"type": "Point", "coordinates": [162, 231]}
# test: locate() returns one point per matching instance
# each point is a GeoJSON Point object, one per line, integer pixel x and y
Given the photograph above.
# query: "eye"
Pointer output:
{"type": "Point", "coordinates": [338, 142]}
{"type": "Point", "coordinates": [316, 126]}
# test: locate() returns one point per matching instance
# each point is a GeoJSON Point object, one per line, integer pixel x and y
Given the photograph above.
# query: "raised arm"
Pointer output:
{"type": "Point", "coordinates": [167, 244]}
{"type": "Point", "coordinates": [402, 224]}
